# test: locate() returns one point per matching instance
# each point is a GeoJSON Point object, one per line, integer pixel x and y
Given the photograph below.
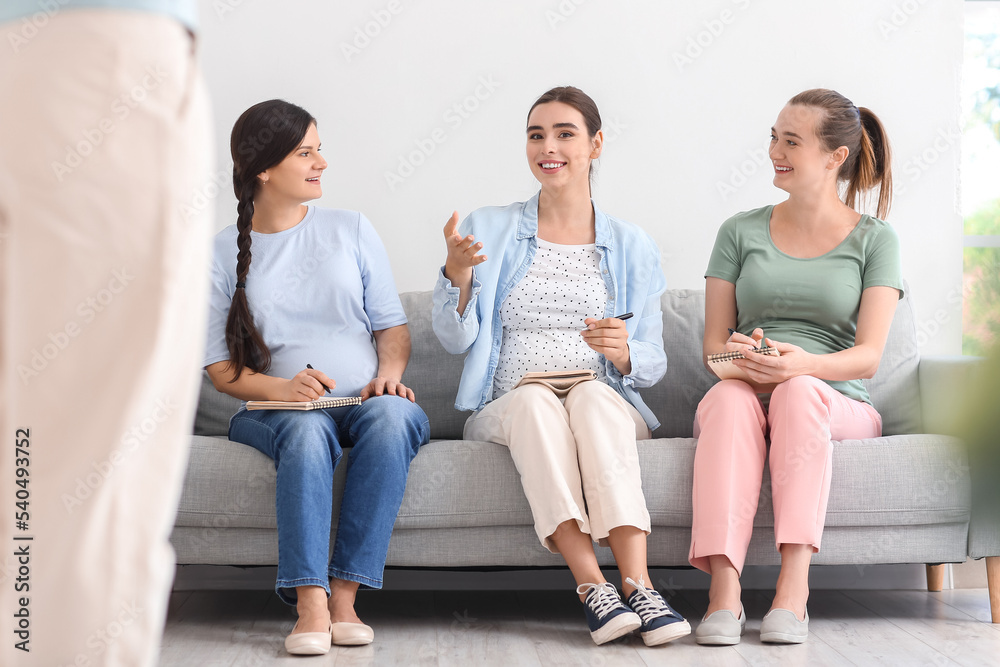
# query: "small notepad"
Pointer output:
{"type": "Point", "coordinates": [560, 382]}
{"type": "Point", "coordinates": [318, 404]}
{"type": "Point", "coordinates": [722, 363]}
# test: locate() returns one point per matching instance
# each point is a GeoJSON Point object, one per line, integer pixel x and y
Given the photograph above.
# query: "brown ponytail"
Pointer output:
{"type": "Point", "coordinates": [874, 164]}
{"type": "Point", "coordinates": [869, 160]}
{"type": "Point", "coordinates": [262, 137]}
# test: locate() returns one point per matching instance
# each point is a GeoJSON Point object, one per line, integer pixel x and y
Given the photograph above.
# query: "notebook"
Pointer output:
{"type": "Point", "coordinates": [722, 363]}
{"type": "Point", "coordinates": [318, 404]}
{"type": "Point", "coordinates": [560, 382]}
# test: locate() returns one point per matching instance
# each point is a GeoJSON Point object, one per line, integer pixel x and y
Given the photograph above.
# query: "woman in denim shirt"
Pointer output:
{"type": "Point", "coordinates": [558, 271]}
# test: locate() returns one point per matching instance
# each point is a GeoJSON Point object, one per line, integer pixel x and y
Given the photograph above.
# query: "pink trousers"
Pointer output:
{"type": "Point", "coordinates": [804, 415]}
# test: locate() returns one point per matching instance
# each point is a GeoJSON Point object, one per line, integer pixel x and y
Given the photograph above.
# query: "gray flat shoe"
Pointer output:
{"type": "Point", "coordinates": [721, 628]}
{"type": "Point", "coordinates": [781, 626]}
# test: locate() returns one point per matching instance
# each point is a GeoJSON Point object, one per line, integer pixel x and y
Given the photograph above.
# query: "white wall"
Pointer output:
{"type": "Point", "coordinates": [688, 92]}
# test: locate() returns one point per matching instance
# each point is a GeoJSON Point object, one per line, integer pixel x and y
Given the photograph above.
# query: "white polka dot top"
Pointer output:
{"type": "Point", "coordinates": [543, 315]}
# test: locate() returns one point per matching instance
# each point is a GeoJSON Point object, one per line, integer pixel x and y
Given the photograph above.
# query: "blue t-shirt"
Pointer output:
{"type": "Point", "coordinates": [316, 291]}
{"type": "Point", "coordinates": [185, 11]}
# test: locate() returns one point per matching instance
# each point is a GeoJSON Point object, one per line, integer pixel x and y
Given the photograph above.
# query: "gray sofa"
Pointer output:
{"type": "Point", "coordinates": [901, 498]}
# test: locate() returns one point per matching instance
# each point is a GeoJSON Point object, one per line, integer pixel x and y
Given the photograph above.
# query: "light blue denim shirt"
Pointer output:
{"type": "Point", "coordinates": [630, 265]}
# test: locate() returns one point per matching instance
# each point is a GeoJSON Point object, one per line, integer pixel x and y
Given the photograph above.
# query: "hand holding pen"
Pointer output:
{"type": "Point", "coordinates": [318, 377]}
{"type": "Point", "coordinates": [739, 341]}
{"type": "Point", "coordinates": [610, 337]}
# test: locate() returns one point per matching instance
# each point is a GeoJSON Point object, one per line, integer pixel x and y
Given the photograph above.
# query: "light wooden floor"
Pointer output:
{"type": "Point", "coordinates": [463, 628]}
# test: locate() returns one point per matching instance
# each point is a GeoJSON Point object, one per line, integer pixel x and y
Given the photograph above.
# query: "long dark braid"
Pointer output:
{"type": "Point", "coordinates": [262, 137]}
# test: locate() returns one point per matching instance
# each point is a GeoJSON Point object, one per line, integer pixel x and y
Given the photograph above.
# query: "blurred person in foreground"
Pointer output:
{"type": "Point", "coordinates": [104, 144]}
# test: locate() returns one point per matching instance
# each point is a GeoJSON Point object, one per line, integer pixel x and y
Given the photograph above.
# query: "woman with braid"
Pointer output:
{"type": "Point", "coordinates": [303, 302]}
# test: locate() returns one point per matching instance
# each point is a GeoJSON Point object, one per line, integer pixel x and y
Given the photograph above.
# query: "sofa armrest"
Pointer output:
{"type": "Point", "coordinates": [948, 402]}
{"type": "Point", "coordinates": [943, 381]}
{"type": "Point", "coordinates": [958, 396]}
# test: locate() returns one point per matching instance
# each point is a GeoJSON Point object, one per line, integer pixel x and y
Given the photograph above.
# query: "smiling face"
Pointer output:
{"type": "Point", "coordinates": [800, 160]}
{"type": "Point", "coordinates": [559, 148]}
{"type": "Point", "coordinates": [297, 177]}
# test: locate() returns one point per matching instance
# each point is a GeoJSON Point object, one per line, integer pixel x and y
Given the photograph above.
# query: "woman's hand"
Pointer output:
{"type": "Point", "coordinates": [461, 254]}
{"type": "Point", "coordinates": [609, 337]}
{"type": "Point", "coordinates": [767, 370]}
{"type": "Point", "coordinates": [741, 342]}
{"type": "Point", "coordinates": [307, 385]}
{"type": "Point", "coordinates": [383, 385]}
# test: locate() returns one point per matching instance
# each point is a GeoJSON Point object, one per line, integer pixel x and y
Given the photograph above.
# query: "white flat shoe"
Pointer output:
{"type": "Point", "coordinates": [781, 626]}
{"type": "Point", "coordinates": [351, 634]}
{"type": "Point", "coordinates": [308, 643]}
{"type": "Point", "coordinates": [721, 628]}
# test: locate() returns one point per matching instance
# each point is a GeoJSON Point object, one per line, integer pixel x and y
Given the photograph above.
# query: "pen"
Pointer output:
{"type": "Point", "coordinates": [309, 366]}
{"type": "Point", "coordinates": [623, 317]}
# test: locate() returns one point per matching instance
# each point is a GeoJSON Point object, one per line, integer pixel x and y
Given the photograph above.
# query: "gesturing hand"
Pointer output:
{"type": "Point", "coordinates": [609, 337]}
{"type": "Point", "coordinates": [307, 385]}
{"type": "Point", "coordinates": [461, 254]}
{"type": "Point", "coordinates": [381, 385]}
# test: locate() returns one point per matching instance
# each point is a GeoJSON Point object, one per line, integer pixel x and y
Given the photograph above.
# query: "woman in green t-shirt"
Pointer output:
{"type": "Point", "coordinates": [821, 280]}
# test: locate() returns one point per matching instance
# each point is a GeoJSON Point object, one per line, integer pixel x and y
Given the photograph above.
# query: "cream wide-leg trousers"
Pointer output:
{"type": "Point", "coordinates": [105, 160]}
{"type": "Point", "coordinates": [577, 457]}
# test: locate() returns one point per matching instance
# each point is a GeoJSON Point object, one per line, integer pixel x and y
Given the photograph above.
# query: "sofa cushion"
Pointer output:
{"type": "Point", "coordinates": [432, 373]}
{"type": "Point", "coordinates": [902, 480]}
{"type": "Point", "coordinates": [675, 398]}
{"type": "Point", "coordinates": [895, 388]}
{"type": "Point", "coordinates": [228, 485]}
{"type": "Point", "coordinates": [463, 483]}
{"type": "Point", "coordinates": [214, 409]}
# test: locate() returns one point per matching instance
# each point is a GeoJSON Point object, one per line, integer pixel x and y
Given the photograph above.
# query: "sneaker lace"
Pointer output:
{"type": "Point", "coordinates": [649, 604]}
{"type": "Point", "coordinates": [602, 598]}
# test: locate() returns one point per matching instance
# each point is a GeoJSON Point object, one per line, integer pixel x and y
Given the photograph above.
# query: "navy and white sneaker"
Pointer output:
{"type": "Point", "coordinates": [607, 615]}
{"type": "Point", "coordinates": [660, 623]}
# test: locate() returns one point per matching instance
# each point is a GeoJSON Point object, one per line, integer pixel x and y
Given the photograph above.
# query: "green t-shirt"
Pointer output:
{"type": "Point", "coordinates": [812, 303]}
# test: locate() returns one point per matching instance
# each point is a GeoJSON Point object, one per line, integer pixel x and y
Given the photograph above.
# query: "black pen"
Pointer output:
{"type": "Point", "coordinates": [309, 366]}
{"type": "Point", "coordinates": [623, 317]}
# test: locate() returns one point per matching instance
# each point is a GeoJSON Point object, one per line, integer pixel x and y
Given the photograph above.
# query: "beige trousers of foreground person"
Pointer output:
{"type": "Point", "coordinates": [105, 161]}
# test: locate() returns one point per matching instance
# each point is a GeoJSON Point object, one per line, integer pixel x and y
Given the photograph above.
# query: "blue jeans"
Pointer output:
{"type": "Point", "coordinates": [385, 433]}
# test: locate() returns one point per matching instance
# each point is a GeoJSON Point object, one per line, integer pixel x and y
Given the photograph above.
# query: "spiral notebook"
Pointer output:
{"type": "Point", "coordinates": [318, 404]}
{"type": "Point", "coordinates": [722, 363]}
